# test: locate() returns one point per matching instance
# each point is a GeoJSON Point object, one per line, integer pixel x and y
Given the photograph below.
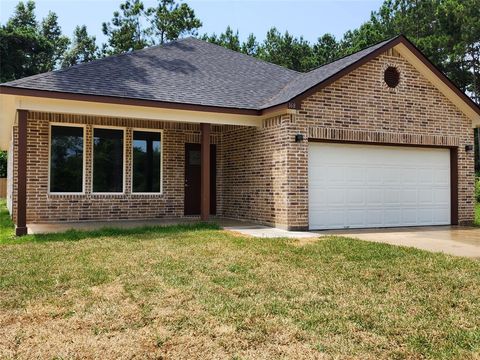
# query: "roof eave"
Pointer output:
{"type": "Point", "coordinates": [10, 90]}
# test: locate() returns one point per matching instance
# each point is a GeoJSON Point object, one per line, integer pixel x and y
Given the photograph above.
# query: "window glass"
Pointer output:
{"type": "Point", "coordinates": [146, 161]}
{"type": "Point", "coordinates": [194, 157]}
{"type": "Point", "coordinates": [66, 159]}
{"type": "Point", "coordinates": [107, 160]}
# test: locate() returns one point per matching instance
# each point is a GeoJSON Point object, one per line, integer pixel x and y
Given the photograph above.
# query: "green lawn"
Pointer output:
{"type": "Point", "coordinates": [477, 214]}
{"type": "Point", "coordinates": [199, 292]}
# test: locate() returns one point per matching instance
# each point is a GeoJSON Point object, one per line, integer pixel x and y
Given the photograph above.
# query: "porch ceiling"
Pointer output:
{"type": "Point", "coordinates": [9, 104]}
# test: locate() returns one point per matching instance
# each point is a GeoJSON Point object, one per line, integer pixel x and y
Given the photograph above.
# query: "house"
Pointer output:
{"type": "Point", "coordinates": [380, 138]}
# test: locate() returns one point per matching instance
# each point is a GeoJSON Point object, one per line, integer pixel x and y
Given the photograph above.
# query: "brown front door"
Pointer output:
{"type": "Point", "coordinates": [193, 178]}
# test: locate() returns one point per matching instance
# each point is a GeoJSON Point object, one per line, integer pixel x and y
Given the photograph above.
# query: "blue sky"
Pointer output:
{"type": "Point", "coordinates": [310, 18]}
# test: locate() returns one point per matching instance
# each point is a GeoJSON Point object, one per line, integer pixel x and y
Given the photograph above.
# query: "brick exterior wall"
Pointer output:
{"type": "Point", "coordinates": [255, 180]}
{"type": "Point", "coordinates": [266, 176]}
{"type": "Point", "coordinates": [361, 107]}
{"type": "Point", "coordinates": [45, 207]}
{"type": "Point", "coordinates": [262, 173]}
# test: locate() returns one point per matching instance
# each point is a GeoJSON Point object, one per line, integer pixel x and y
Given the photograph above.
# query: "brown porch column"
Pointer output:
{"type": "Point", "coordinates": [205, 171]}
{"type": "Point", "coordinates": [21, 221]}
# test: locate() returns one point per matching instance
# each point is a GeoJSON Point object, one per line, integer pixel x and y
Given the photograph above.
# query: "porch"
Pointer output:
{"type": "Point", "coordinates": [229, 156]}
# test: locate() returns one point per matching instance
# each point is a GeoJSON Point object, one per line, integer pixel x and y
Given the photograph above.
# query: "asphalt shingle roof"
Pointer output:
{"type": "Point", "coordinates": [188, 71]}
{"type": "Point", "coordinates": [305, 81]}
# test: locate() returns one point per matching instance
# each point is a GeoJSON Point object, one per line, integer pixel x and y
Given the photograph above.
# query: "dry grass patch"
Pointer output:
{"type": "Point", "coordinates": [197, 292]}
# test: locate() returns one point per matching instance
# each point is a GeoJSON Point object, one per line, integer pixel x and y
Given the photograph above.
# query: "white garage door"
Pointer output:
{"type": "Point", "coordinates": [358, 186]}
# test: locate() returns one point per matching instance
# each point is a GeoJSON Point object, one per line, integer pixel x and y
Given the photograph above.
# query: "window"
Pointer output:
{"type": "Point", "coordinates": [107, 160]}
{"type": "Point", "coordinates": [66, 159]}
{"type": "Point", "coordinates": [146, 174]}
{"type": "Point", "coordinates": [391, 76]}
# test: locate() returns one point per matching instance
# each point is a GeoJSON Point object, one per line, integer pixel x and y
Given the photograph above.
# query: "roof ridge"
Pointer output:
{"type": "Point", "coordinates": [300, 74]}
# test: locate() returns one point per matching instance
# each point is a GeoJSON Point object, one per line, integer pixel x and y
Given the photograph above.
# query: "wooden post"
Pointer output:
{"type": "Point", "coordinates": [21, 223]}
{"type": "Point", "coordinates": [205, 171]}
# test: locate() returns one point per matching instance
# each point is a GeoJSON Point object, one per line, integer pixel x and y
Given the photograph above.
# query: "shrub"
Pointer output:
{"type": "Point", "coordinates": [3, 164]}
{"type": "Point", "coordinates": [477, 189]}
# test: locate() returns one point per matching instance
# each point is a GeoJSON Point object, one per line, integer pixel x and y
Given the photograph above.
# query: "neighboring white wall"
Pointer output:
{"type": "Point", "coordinates": [10, 177]}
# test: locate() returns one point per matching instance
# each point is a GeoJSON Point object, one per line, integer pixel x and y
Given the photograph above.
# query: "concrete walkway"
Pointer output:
{"type": "Point", "coordinates": [262, 231]}
{"type": "Point", "coordinates": [453, 240]}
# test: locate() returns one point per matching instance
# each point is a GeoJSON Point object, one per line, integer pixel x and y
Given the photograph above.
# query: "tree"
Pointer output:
{"type": "Point", "coordinates": [287, 51]}
{"type": "Point", "coordinates": [22, 46]}
{"type": "Point", "coordinates": [171, 21]}
{"type": "Point", "coordinates": [460, 22]}
{"type": "Point", "coordinates": [227, 39]}
{"type": "Point", "coordinates": [326, 49]}
{"type": "Point", "coordinates": [27, 48]}
{"type": "Point", "coordinates": [231, 40]}
{"type": "Point", "coordinates": [83, 49]}
{"type": "Point", "coordinates": [52, 32]}
{"type": "Point", "coordinates": [446, 31]}
{"type": "Point", "coordinates": [24, 16]}
{"type": "Point", "coordinates": [251, 46]}
{"type": "Point", "coordinates": [127, 30]}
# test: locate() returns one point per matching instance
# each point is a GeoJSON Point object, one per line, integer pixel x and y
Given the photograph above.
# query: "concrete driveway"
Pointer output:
{"type": "Point", "coordinates": [453, 240]}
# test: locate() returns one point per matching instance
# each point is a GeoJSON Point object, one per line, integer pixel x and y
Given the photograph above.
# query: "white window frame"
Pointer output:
{"type": "Point", "coordinates": [160, 131]}
{"type": "Point", "coordinates": [124, 130]}
{"type": "Point", "coordinates": [84, 162]}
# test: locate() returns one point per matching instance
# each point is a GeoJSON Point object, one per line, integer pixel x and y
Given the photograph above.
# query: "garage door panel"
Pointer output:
{"type": "Point", "coordinates": [374, 197]}
{"type": "Point", "coordinates": [425, 216]}
{"type": "Point", "coordinates": [426, 176]}
{"type": "Point", "coordinates": [442, 177]}
{"type": "Point", "coordinates": [409, 176]}
{"type": "Point", "coordinates": [335, 174]}
{"type": "Point", "coordinates": [441, 216]}
{"type": "Point", "coordinates": [441, 196]}
{"type": "Point", "coordinates": [318, 196]}
{"type": "Point", "coordinates": [356, 218]}
{"type": "Point", "coordinates": [391, 197]}
{"type": "Point", "coordinates": [391, 176]}
{"type": "Point", "coordinates": [409, 217]}
{"type": "Point", "coordinates": [425, 196]}
{"type": "Point", "coordinates": [377, 186]}
{"type": "Point", "coordinates": [409, 197]}
{"type": "Point", "coordinates": [392, 217]}
{"type": "Point", "coordinates": [355, 175]}
{"type": "Point", "coordinates": [355, 197]}
{"type": "Point", "coordinates": [374, 217]}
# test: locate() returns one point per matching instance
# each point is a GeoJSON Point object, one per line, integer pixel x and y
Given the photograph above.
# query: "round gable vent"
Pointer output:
{"type": "Point", "coordinates": [392, 76]}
